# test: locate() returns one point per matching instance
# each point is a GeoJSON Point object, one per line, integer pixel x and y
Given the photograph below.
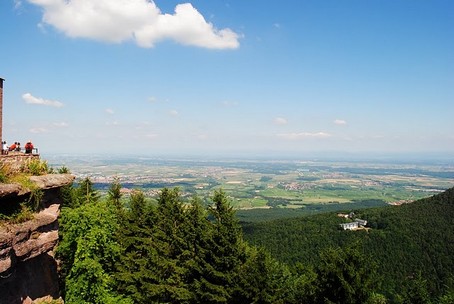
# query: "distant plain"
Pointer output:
{"type": "Point", "coordinates": [304, 185]}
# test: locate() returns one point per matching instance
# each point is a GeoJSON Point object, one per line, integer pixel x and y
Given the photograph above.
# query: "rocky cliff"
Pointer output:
{"type": "Point", "coordinates": [28, 270]}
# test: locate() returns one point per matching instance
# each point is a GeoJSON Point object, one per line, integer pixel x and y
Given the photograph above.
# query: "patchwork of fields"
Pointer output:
{"type": "Point", "coordinates": [269, 183]}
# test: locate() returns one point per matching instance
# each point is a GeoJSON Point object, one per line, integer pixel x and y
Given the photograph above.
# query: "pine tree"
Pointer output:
{"type": "Point", "coordinates": [343, 277]}
{"type": "Point", "coordinates": [262, 279]}
{"type": "Point", "coordinates": [226, 252]}
{"type": "Point", "coordinates": [135, 269]}
{"type": "Point", "coordinates": [84, 193]}
{"type": "Point", "coordinates": [114, 194]}
{"type": "Point", "coordinates": [198, 233]}
{"type": "Point", "coordinates": [172, 248]}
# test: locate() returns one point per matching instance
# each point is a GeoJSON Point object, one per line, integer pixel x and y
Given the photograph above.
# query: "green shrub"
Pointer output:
{"type": "Point", "coordinates": [35, 199]}
{"type": "Point", "coordinates": [63, 170]}
{"type": "Point", "coordinates": [23, 180]}
{"type": "Point", "coordinates": [21, 215]}
{"type": "Point", "coordinates": [3, 177]}
{"type": "Point", "coordinates": [5, 172]}
{"type": "Point", "coordinates": [37, 167]}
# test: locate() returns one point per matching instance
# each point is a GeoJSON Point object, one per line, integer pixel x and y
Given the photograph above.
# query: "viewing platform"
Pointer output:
{"type": "Point", "coordinates": [15, 160]}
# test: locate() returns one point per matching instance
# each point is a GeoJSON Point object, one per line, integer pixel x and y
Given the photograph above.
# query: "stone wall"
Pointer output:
{"type": "Point", "coordinates": [16, 160]}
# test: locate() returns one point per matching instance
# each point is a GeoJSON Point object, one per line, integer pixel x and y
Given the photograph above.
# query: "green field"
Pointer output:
{"type": "Point", "coordinates": [273, 184]}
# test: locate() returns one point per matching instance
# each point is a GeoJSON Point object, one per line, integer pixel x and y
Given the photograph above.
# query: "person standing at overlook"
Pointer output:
{"type": "Point", "coordinates": [13, 147]}
{"type": "Point", "coordinates": [28, 147]}
{"type": "Point", "coordinates": [4, 147]}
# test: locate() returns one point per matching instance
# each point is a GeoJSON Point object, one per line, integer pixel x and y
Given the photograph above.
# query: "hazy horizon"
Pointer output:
{"type": "Point", "coordinates": [416, 159]}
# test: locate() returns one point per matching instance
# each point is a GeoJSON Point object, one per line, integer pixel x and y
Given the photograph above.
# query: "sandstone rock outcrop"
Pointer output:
{"type": "Point", "coordinates": [27, 240]}
{"type": "Point", "coordinates": [9, 189]}
{"type": "Point", "coordinates": [50, 181]}
{"type": "Point", "coordinates": [28, 270]}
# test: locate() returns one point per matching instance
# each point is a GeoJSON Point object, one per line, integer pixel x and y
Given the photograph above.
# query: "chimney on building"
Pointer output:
{"type": "Point", "coordinates": [1, 110]}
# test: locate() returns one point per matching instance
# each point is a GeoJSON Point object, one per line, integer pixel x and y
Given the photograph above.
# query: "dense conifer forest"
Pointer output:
{"type": "Point", "coordinates": [117, 249]}
{"type": "Point", "coordinates": [408, 248]}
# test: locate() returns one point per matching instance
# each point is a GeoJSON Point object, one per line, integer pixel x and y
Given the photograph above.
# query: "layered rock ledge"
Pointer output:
{"type": "Point", "coordinates": [25, 241]}
{"type": "Point", "coordinates": [28, 270]}
{"type": "Point", "coordinates": [43, 182]}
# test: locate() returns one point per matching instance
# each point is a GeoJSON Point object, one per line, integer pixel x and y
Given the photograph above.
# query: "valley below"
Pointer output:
{"type": "Point", "coordinates": [303, 185]}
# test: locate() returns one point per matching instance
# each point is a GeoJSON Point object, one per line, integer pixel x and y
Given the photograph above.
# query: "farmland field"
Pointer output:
{"type": "Point", "coordinates": [292, 184]}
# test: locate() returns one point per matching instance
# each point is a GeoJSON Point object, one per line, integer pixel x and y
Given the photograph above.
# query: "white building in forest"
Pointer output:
{"type": "Point", "coordinates": [358, 223]}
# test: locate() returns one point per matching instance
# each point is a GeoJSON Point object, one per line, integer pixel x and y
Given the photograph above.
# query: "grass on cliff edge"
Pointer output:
{"type": "Point", "coordinates": [21, 211]}
{"type": "Point", "coordinates": [34, 167]}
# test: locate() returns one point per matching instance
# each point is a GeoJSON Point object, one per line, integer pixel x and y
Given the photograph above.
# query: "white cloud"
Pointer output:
{"type": "Point", "coordinates": [340, 122]}
{"type": "Point", "coordinates": [17, 4]}
{"type": "Point", "coordinates": [38, 130]}
{"type": "Point", "coordinates": [303, 135]}
{"type": "Point", "coordinates": [61, 124]}
{"type": "Point", "coordinates": [173, 112]}
{"type": "Point", "coordinates": [110, 111]}
{"type": "Point", "coordinates": [138, 20]}
{"type": "Point", "coordinates": [153, 100]}
{"type": "Point", "coordinates": [280, 121]}
{"type": "Point", "coordinates": [30, 99]}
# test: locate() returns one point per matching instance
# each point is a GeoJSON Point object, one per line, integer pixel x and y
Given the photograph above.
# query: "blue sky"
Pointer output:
{"type": "Point", "coordinates": [229, 77]}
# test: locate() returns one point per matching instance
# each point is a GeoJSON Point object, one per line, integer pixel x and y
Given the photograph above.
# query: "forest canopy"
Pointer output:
{"type": "Point", "coordinates": [117, 249]}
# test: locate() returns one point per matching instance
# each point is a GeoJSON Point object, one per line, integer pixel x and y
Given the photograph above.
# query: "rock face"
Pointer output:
{"type": "Point", "coordinates": [28, 270]}
{"type": "Point", "coordinates": [50, 181]}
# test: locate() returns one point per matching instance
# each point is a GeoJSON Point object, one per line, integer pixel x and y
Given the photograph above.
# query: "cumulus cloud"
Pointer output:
{"type": "Point", "coordinates": [110, 111]}
{"type": "Point", "coordinates": [140, 21]}
{"type": "Point", "coordinates": [173, 112]}
{"type": "Point", "coordinates": [280, 121]}
{"type": "Point", "coordinates": [303, 135]}
{"type": "Point", "coordinates": [30, 99]}
{"type": "Point", "coordinates": [340, 122]}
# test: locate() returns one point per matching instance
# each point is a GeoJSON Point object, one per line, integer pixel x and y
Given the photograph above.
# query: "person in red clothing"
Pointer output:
{"type": "Point", "coordinates": [12, 147]}
{"type": "Point", "coordinates": [28, 147]}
